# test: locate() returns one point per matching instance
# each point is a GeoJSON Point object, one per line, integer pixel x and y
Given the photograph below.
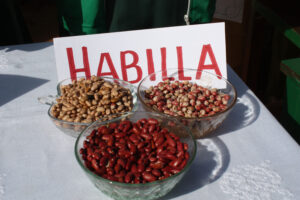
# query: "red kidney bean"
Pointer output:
{"type": "Point", "coordinates": [175, 137]}
{"type": "Point", "coordinates": [102, 145]}
{"type": "Point", "coordinates": [97, 140]}
{"type": "Point", "coordinates": [146, 136]}
{"type": "Point", "coordinates": [152, 159]}
{"type": "Point", "coordinates": [121, 162]}
{"type": "Point", "coordinates": [152, 121]}
{"type": "Point", "coordinates": [117, 168]}
{"type": "Point", "coordinates": [148, 149]}
{"type": "Point", "coordinates": [132, 149]}
{"type": "Point", "coordinates": [183, 163]}
{"type": "Point", "coordinates": [148, 177]}
{"type": "Point", "coordinates": [151, 128]}
{"type": "Point", "coordinates": [96, 155]}
{"type": "Point", "coordinates": [155, 137]}
{"type": "Point", "coordinates": [95, 164]}
{"type": "Point", "coordinates": [113, 125]}
{"type": "Point", "coordinates": [126, 154]}
{"type": "Point", "coordinates": [140, 145]}
{"type": "Point", "coordinates": [119, 145]}
{"type": "Point", "coordinates": [179, 146]}
{"type": "Point", "coordinates": [128, 165]}
{"type": "Point", "coordinates": [106, 137]}
{"type": "Point", "coordinates": [180, 154]}
{"type": "Point", "coordinates": [89, 158]}
{"type": "Point", "coordinates": [85, 144]}
{"type": "Point", "coordinates": [143, 120]}
{"type": "Point", "coordinates": [110, 150]}
{"type": "Point", "coordinates": [164, 160]}
{"type": "Point", "coordinates": [165, 143]}
{"type": "Point", "coordinates": [140, 161]}
{"type": "Point", "coordinates": [128, 177]}
{"type": "Point", "coordinates": [137, 178]}
{"type": "Point", "coordinates": [111, 162]}
{"type": "Point", "coordinates": [164, 131]}
{"type": "Point", "coordinates": [141, 168]}
{"type": "Point", "coordinates": [82, 151]}
{"type": "Point", "coordinates": [99, 131]}
{"type": "Point", "coordinates": [122, 140]}
{"type": "Point", "coordinates": [171, 150]}
{"type": "Point", "coordinates": [122, 173]}
{"type": "Point", "coordinates": [101, 171]}
{"type": "Point", "coordinates": [89, 151]}
{"type": "Point", "coordinates": [156, 172]}
{"type": "Point", "coordinates": [148, 169]}
{"type": "Point", "coordinates": [187, 155]}
{"type": "Point", "coordinates": [175, 170]}
{"type": "Point", "coordinates": [126, 127]}
{"type": "Point", "coordinates": [152, 145]}
{"type": "Point", "coordinates": [159, 141]}
{"type": "Point", "coordinates": [144, 131]}
{"type": "Point", "coordinates": [105, 130]}
{"type": "Point", "coordinates": [134, 138]}
{"type": "Point", "coordinates": [103, 161]}
{"type": "Point", "coordinates": [159, 149]}
{"type": "Point", "coordinates": [120, 135]}
{"type": "Point", "coordinates": [175, 163]}
{"type": "Point", "coordinates": [110, 171]}
{"type": "Point", "coordinates": [112, 178]}
{"type": "Point", "coordinates": [133, 168]}
{"type": "Point", "coordinates": [136, 130]}
{"type": "Point", "coordinates": [134, 152]}
{"type": "Point", "coordinates": [157, 165]}
{"type": "Point", "coordinates": [139, 125]}
{"type": "Point", "coordinates": [166, 174]}
{"type": "Point", "coordinates": [105, 154]}
{"type": "Point", "coordinates": [170, 141]}
{"type": "Point", "coordinates": [169, 156]}
{"type": "Point", "coordinates": [185, 146]}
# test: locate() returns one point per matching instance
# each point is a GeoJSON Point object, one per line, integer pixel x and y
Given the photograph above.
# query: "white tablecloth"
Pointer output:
{"type": "Point", "coordinates": [249, 157]}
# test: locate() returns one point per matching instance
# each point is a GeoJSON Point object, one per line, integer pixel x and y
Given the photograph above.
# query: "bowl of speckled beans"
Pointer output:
{"type": "Point", "coordinates": [200, 103]}
{"type": "Point", "coordinates": [81, 102]}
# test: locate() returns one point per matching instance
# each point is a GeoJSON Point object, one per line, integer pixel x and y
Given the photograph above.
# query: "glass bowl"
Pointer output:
{"type": "Point", "coordinates": [74, 128]}
{"type": "Point", "coordinates": [200, 126]}
{"type": "Point", "coordinates": [142, 191]}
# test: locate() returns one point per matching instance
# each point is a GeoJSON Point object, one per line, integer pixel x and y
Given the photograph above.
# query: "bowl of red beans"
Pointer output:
{"type": "Point", "coordinates": [139, 155]}
{"type": "Point", "coordinates": [199, 99]}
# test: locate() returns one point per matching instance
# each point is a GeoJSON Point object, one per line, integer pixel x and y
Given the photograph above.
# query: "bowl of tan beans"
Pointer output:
{"type": "Point", "coordinates": [84, 101]}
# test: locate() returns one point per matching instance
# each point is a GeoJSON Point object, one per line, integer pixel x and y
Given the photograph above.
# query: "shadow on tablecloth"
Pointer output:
{"type": "Point", "coordinates": [244, 113]}
{"type": "Point", "coordinates": [13, 86]}
{"type": "Point", "coordinates": [211, 161]}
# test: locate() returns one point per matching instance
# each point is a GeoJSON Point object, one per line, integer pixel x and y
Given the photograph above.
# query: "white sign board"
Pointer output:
{"type": "Point", "coordinates": [132, 55]}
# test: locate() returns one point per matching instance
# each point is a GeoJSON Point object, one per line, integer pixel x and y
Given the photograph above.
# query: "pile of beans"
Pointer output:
{"type": "Point", "coordinates": [185, 99]}
{"type": "Point", "coordinates": [130, 152]}
{"type": "Point", "coordinates": [86, 101]}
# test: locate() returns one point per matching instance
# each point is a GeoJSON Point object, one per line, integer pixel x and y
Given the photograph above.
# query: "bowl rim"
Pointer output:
{"type": "Point", "coordinates": [133, 90]}
{"type": "Point", "coordinates": [104, 77]}
{"type": "Point", "coordinates": [85, 169]}
{"type": "Point", "coordinates": [180, 117]}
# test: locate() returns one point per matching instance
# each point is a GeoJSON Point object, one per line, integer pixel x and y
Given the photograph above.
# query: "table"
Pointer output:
{"type": "Point", "coordinates": [249, 157]}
